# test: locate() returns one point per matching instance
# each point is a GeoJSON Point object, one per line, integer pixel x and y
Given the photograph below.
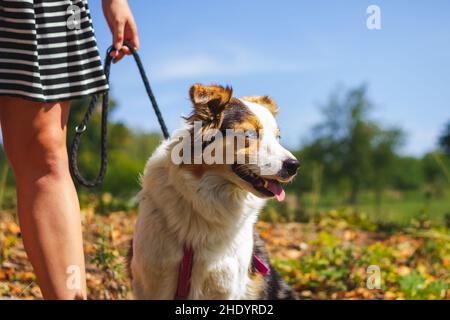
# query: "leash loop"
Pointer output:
{"type": "Point", "coordinates": [82, 127]}
{"type": "Point", "coordinates": [80, 130]}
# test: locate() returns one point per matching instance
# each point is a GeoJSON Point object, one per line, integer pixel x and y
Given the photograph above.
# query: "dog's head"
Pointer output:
{"type": "Point", "coordinates": [240, 139]}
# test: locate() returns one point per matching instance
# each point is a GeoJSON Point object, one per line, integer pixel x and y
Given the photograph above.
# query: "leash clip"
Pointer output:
{"type": "Point", "coordinates": [80, 130]}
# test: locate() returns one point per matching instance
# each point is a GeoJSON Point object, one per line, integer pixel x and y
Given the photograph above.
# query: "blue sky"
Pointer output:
{"type": "Point", "coordinates": [298, 52]}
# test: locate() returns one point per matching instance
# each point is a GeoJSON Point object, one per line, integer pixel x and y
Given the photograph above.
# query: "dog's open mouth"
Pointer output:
{"type": "Point", "coordinates": [268, 187]}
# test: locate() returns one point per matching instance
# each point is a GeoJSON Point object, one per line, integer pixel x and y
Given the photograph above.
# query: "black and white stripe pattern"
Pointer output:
{"type": "Point", "coordinates": [41, 58]}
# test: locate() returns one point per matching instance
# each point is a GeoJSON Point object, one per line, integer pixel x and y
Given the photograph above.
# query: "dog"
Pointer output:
{"type": "Point", "coordinates": [211, 207]}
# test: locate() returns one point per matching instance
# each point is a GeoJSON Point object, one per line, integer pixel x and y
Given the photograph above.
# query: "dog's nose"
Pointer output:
{"type": "Point", "coordinates": [291, 166]}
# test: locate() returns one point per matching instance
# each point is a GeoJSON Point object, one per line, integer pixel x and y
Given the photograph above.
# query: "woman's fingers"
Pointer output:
{"type": "Point", "coordinates": [127, 31]}
{"type": "Point", "coordinates": [133, 34]}
{"type": "Point", "coordinates": [118, 57]}
{"type": "Point", "coordinates": [122, 25]}
{"type": "Point", "coordinates": [119, 29]}
{"type": "Point", "coordinates": [126, 50]}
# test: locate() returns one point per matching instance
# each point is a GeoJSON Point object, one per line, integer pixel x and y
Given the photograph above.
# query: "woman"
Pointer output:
{"type": "Point", "coordinates": [45, 61]}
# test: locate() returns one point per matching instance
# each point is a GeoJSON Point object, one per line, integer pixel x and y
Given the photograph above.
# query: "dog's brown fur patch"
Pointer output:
{"type": "Point", "coordinates": [265, 101]}
{"type": "Point", "coordinates": [209, 103]}
{"type": "Point", "coordinates": [256, 285]}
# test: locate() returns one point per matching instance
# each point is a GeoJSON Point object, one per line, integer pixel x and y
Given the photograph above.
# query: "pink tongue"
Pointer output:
{"type": "Point", "coordinates": [276, 188]}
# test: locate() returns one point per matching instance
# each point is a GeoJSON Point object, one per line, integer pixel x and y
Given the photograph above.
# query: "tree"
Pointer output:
{"type": "Point", "coordinates": [383, 152]}
{"type": "Point", "coordinates": [444, 140]}
{"type": "Point", "coordinates": [436, 168]}
{"type": "Point", "coordinates": [408, 173]}
{"type": "Point", "coordinates": [355, 150]}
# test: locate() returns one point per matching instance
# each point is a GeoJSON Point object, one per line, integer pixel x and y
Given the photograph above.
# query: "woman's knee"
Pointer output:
{"type": "Point", "coordinates": [50, 150]}
{"type": "Point", "coordinates": [35, 137]}
{"type": "Point", "coordinates": [45, 154]}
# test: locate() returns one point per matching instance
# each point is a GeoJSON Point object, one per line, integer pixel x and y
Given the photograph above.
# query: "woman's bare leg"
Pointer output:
{"type": "Point", "coordinates": [34, 138]}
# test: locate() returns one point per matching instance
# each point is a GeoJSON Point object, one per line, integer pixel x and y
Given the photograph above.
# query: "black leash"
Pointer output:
{"type": "Point", "coordinates": [81, 128]}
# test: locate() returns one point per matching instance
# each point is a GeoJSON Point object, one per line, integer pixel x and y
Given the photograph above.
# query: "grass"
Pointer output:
{"type": "Point", "coordinates": [396, 208]}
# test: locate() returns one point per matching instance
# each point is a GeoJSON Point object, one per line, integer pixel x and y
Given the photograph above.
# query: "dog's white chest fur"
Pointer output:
{"type": "Point", "coordinates": [215, 218]}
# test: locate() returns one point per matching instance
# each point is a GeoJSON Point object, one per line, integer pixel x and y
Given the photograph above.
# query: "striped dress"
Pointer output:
{"type": "Point", "coordinates": [48, 50]}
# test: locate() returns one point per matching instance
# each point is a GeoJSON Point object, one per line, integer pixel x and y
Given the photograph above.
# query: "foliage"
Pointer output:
{"type": "Point", "coordinates": [410, 177]}
{"type": "Point", "coordinates": [333, 254]}
{"type": "Point", "coordinates": [326, 258]}
{"type": "Point", "coordinates": [444, 140]}
{"type": "Point", "coordinates": [107, 260]}
{"type": "Point", "coordinates": [354, 150]}
{"type": "Point", "coordinates": [416, 286]}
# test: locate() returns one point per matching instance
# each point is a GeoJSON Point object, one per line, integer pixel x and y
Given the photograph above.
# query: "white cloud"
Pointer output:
{"type": "Point", "coordinates": [230, 62]}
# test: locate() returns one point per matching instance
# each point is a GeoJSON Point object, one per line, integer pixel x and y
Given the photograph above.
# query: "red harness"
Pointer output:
{"type": "Point", "coordinates": [184, 274]}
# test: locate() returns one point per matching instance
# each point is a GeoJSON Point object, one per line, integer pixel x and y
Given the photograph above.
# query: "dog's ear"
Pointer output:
{"type": "Point", "coordinates": [209, 103]}
{"type": "Point", "coordinates": [265, 101]}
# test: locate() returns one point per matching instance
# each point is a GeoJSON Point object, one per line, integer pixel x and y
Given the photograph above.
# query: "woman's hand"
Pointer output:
{"type": "Point", "coordinates": [122, 26]}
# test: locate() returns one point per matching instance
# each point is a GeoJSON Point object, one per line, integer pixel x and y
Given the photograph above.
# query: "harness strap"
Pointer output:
{"type": "Point", "coordinates": [260, 265]}
{"type": "Point", "coordinates": [184, 274]}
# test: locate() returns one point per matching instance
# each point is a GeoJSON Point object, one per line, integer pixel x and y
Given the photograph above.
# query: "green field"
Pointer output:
{"type": "Point", "coordinates": [395, 208]}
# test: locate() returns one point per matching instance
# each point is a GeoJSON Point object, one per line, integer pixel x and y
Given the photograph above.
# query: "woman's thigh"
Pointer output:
{"type": "Point", "coordinates": [33, 129]}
